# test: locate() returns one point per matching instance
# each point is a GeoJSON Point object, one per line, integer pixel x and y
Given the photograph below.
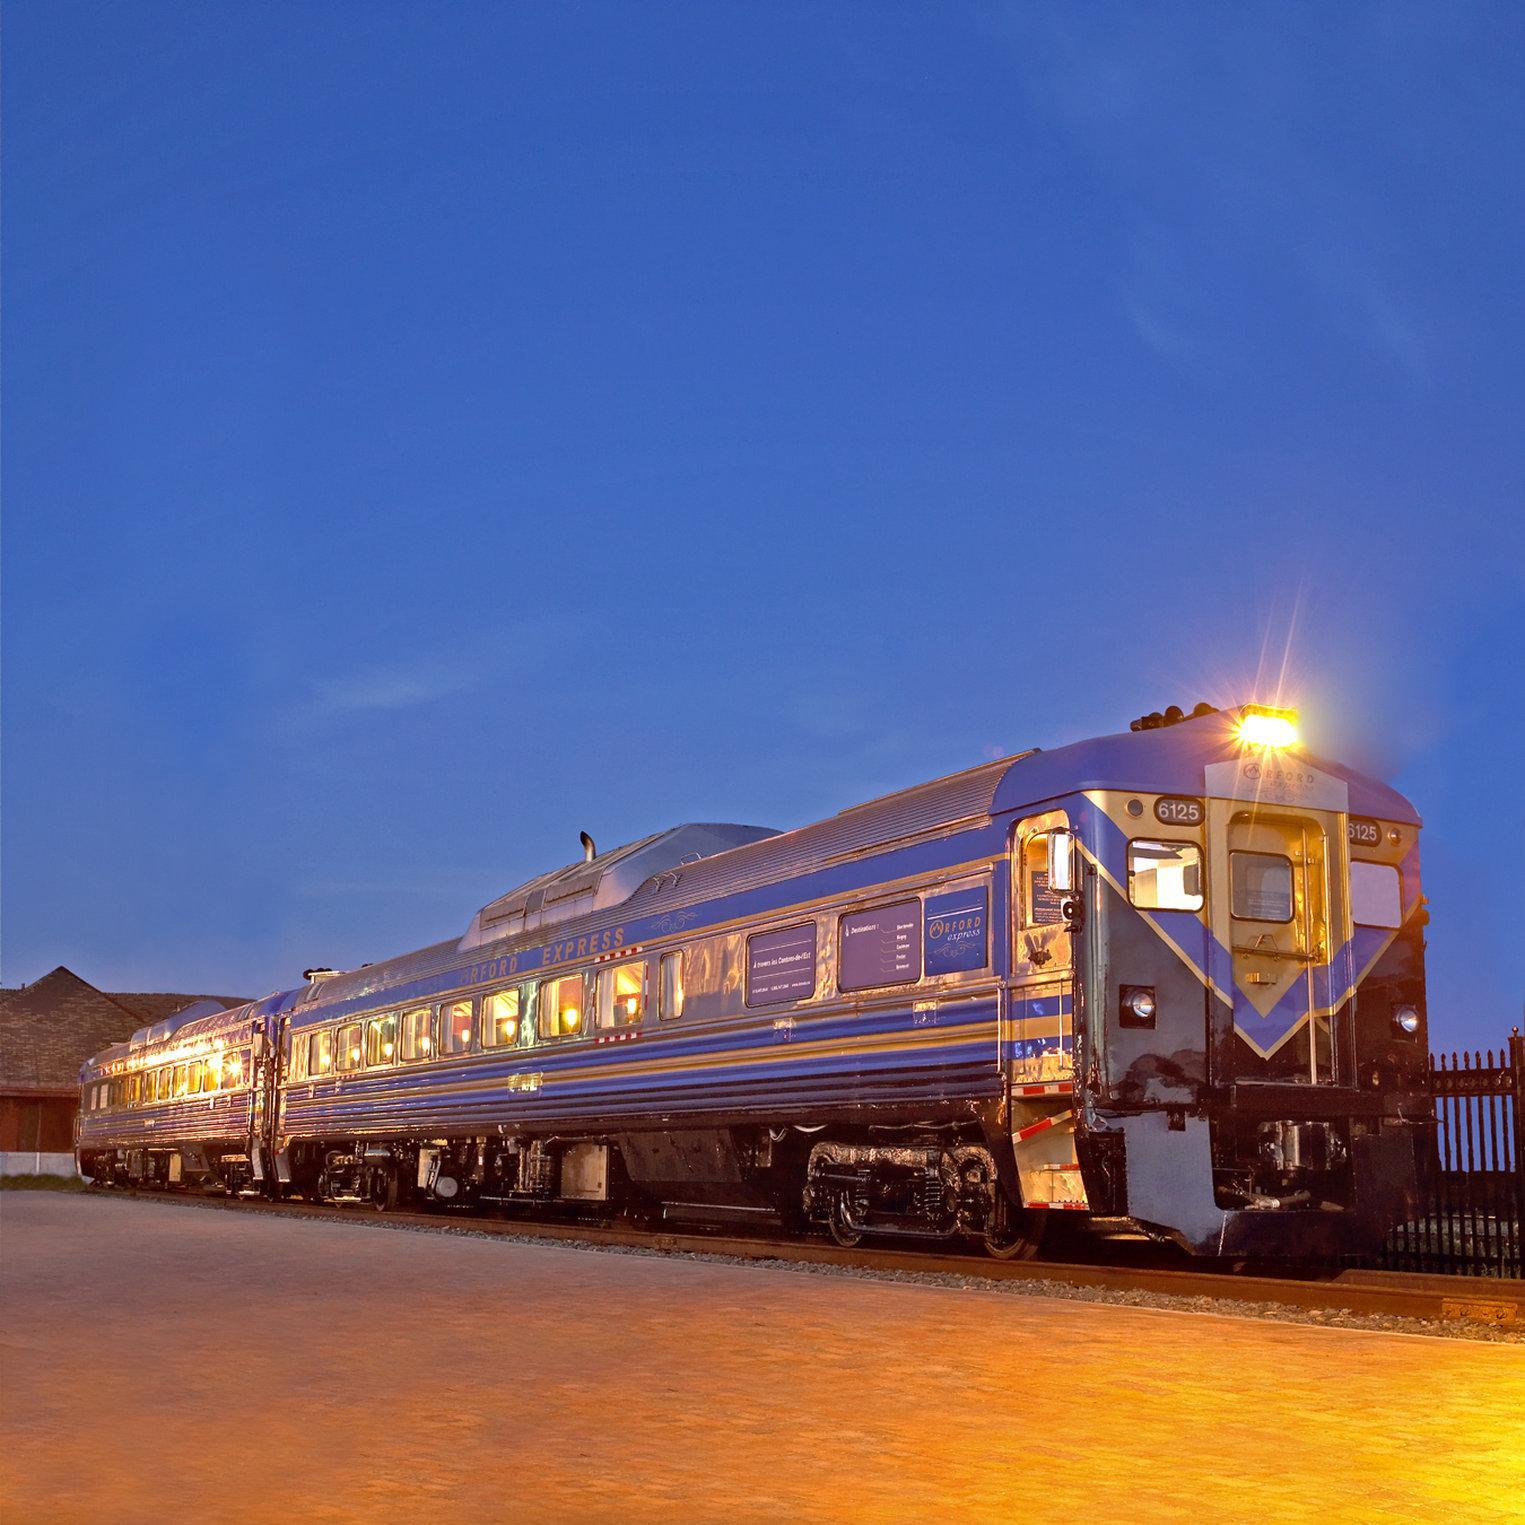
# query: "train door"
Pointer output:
{"type": "Point", "coordinates": [1039, 1046]}
{"type": "Point", "coordinates": [1275, 915]}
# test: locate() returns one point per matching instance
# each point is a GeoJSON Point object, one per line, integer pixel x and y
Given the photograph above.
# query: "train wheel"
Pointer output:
{"type": "Point", "coordinates": [384, 1188]}
{"type": "Point", "coordinates": [841, 1225]}
{"type": "Point", "coordinates": [1017, 1233]}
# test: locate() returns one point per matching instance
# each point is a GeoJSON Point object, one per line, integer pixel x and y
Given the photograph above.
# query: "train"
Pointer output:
{"type": "Point", "coordinates": [1165, 983]}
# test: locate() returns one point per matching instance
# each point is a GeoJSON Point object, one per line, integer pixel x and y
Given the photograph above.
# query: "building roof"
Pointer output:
{"type": "Point", "coordinates": [50, 1027]}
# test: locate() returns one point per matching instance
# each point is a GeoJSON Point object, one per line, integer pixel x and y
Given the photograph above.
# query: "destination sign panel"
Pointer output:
{"type": "Point", "coordinates": [881, 947]}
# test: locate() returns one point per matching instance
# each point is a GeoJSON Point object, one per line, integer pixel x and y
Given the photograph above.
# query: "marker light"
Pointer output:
{"type": "Point", "coordinates": [1406, 1019]}
{"type": "Point", "coordinates": [1268, 728]}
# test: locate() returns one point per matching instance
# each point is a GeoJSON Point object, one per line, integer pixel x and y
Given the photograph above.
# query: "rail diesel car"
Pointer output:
{"type": "Point", "coordinates": [1168, 981]}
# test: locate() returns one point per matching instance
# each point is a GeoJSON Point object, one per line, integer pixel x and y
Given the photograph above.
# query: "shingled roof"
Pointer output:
{"type": "Point", "coordinates": [50, 1027]}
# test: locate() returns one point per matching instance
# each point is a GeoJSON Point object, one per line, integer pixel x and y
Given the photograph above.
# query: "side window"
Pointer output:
{"type": "Point", "coordinates": [622, 994]}
{"type": "Point", "coordinates": [417, 1034]}
{"type": "Point", "coordinates": [296, 1058]}
{"type": "Point", "coordinates": [197, 1073]}
{"type": "Point", "coordinates": [1375, 900]}
{"type": "Point", "coordinates": [233, 1069]}
{"type": "Point", "coordinates": [349, 1040]}
{"type": "Point", "coordinates": [1165, 876]}
{"type": "Point", "coordinates": [561, 1007]}
{"type": "Point", "coordinates": [1041, 906]}
{"type": "Point", "coordinates": [320, 1053]}
{"type": "Point", "coordinates": [880, 947]}
{"type": "Point", "coordinates": [500, 1019]}
{"type": "Point", "coordinates": [455, 1027]}
{"type": "Point", "coordinates": [1262, 886]}
{"type": "Point", "coordinates": [781, 965]}
{"type": "Point", "coordinates": [213, 1081]}
{"type": "Point", "coordinates": [182, 1082]}
{"type": "Point", "coordinates": [670, 1004]}
{"type": "Point", "coordinates": [381, 1040]}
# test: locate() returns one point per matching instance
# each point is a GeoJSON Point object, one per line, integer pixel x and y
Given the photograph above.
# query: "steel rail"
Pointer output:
{"type": "Point", "coordinates": [1404, 1294]}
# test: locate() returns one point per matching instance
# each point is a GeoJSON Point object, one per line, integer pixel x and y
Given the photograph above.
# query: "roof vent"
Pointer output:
{"type": "Point", "coordinates": [589, 851]}
{"type": "Point", "coordinates": [316, 976]}
{"type": "Point", "coordinates": [1172, 716]}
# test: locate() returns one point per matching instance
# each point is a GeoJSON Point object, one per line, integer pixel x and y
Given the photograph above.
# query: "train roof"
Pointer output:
{"type": "Point", "coordinates": [693, 863]}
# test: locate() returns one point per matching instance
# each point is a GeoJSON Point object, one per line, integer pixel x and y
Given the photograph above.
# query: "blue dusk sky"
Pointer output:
{"type": "Point", "coordinates": [433, 430]}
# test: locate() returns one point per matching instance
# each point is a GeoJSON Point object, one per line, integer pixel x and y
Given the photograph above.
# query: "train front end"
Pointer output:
{"type": "Point", "coordinates": [1251, 1036]}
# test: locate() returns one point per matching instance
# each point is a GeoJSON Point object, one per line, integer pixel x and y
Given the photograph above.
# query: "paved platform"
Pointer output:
{"type": "Point", "coordinates": [164, 1363]}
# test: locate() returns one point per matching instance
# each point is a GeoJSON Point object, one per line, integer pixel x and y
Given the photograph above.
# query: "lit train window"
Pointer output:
{"type": "Point", "coordinates": [234, 1068]}
{"type": "Point", "coordinates": [1375, 900]}
{"type": "Point", "coordinates": [671, 1003]}
{"type": "Point", "coordinates": [195, 1074]}
{"type": "Point", "coordinates": [622, 994]}
{"type": "Point", "coordinates": [562, 1004]}
{"type": "Point", "coordinates": [381, 1040]}
{"type": "Point", "coordinates": [1042, 906]}
{"type": "Point", "coordinates": [417, 1034]}
{"type": "Point", "coordinates": [1165, 876]}
{"type": "Point", "coordinates": [182, 1084]}
{"type": "Point", "coordinates": [500, 1019]}
{"type": "Point", "coordinates": [348, 1048]}
{"type": "Point", "coordinates": [320, 1053]}
{"type": "Point", "coordinates": [455, 1026]}
{"type": "Point", "coordinates": [213, 1077]}
{"type": "Point", "coordinates": [1262, 886]}
{"type": "Point", "coordinates": [133, 1084]}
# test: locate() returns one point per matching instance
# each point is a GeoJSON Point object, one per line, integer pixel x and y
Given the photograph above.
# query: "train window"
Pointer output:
{"type": "Point", "coordinates": [213, 1076]}
{"type": "Point", "coordinates": [622, 994]}
{"type": "Point", "coordinates": [455, 1026]}
{"type": "Point", "coordinates": [561, 1007]}
{"type": "Point", "coordinates": [381, 1040]}
{"type": "Point", "coordinates": [296, 1058]}
{"type": "Point", "coordinates": [233, 1069]}
{"type": "Point", "coordinates": [671, 1001]}
{"type": "Point", "coordinates": [880, 947]}
{"type": "Point", "coordinates": [417, 1034]}
{"type": "Point", "coordinates": [348, 1044]}
{"type": "Point", "coordinates": [320, 1053]}
{"type": "Point", "coordinates": [1042, 906]}
{"type": "Point", "coordinates": [1261, 886]}
{"type": "Point", "coordinates": [1165, 876]}
{"type": "Point", "coordinates": [195, 1076]}
{"type": "Point", "coordinates": [500, 1019]}
{"type": "Point", "coordinates": [133, 1082]}
{"type": "Point", "coordinates": [1375, 900]}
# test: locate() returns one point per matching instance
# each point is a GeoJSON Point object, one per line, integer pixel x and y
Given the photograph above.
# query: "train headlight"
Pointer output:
{"type": "Point", "coordinates": [1406, 1020]}
{"type": "Point", "coordinates": [1262, 727]}
{"type": "Point", "coordinates": [1137, 1006]}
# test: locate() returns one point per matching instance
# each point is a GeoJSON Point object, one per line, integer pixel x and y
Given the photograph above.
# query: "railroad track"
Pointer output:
{"type": "Point", "coordinates": [1401, 1294]}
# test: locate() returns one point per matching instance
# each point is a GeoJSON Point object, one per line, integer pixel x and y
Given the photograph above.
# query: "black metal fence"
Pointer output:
{"type": "Point", "coordinates": [1473, 1219]}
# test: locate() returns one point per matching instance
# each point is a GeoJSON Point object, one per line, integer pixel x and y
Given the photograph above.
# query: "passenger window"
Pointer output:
{"type": "Point", "coordinates": [320, 1053]}
{"type": "Point", "coordinates": [195, 1076]}
{"type": "Point", "coordinates": [213, 1080]}
{"type": "Point", "coordinates": [381, 1040]}
{"type": "Point", "coordinates": [232, 1070]}
{"type": "Point", "coordinates": [500, 1019]}
{"type": "Point", "coordinates": [622, 994]}
{"type": "Point", "coordinates": [671, 999]}
{"type": "Point", "coordinates": [455, 1027]}
{"type": "Point", "coordinates": [1375, 900]}
{"type": "Point", "coordinates": [1041, 905]}
{"type": "Point", "coordinates": [561, 1007]}
{"type": "Point", "coordinates": [1165, 876]}
{"type": "Point", "coordinates": [349, 1055]}
{"type": "Point", "coordinates": [1262, 886]}
{"type": "Point", "coordinates": [417, 1034]}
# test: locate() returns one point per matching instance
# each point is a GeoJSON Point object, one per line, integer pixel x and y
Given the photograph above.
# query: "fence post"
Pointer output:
{"type": "Point", "coordinates": [1517, 1089]}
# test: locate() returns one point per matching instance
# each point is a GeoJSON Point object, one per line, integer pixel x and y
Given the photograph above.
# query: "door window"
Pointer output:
{"type": "Point", "coordinates": [1261, 886]}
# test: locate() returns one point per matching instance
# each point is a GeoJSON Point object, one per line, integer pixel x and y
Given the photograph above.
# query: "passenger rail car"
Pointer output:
{"type": "Point", "coordinates": [1168, 981]}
